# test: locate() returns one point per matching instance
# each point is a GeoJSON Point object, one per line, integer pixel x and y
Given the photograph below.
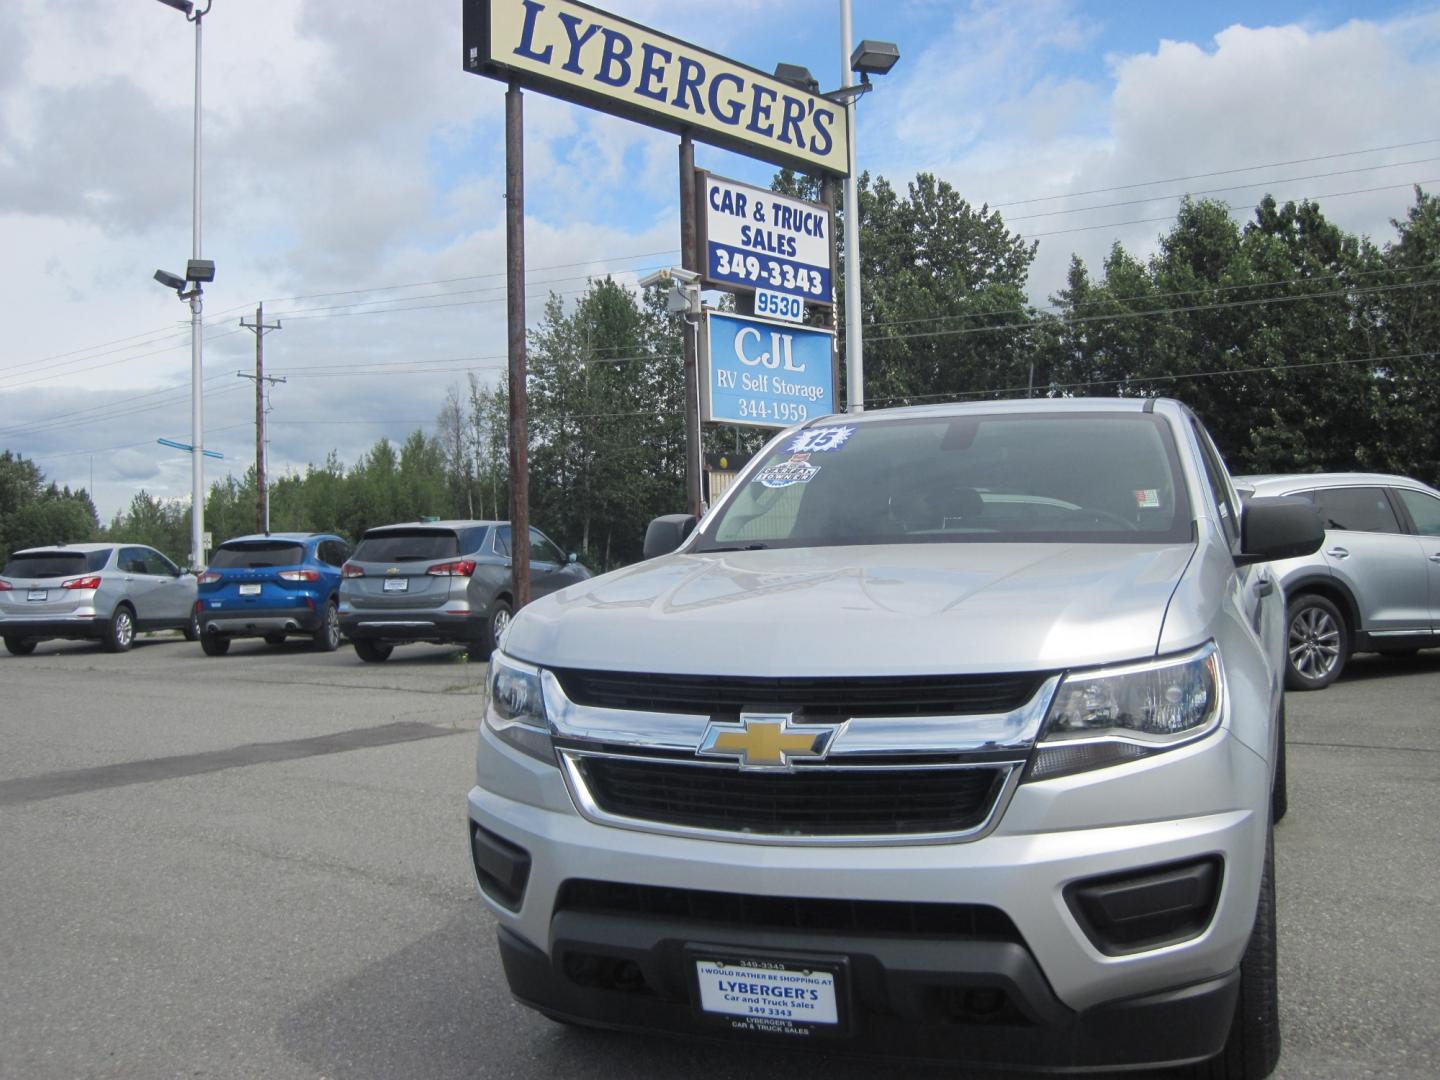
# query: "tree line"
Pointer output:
{"type": "Point", "coordinates": [1302, 346]}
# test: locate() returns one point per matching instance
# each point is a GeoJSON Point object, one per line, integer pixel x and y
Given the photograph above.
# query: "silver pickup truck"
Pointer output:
{"type": "Point", "coordinates": [952, 732]}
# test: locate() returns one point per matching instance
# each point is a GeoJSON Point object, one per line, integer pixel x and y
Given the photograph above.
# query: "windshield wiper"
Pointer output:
{"type": "Point", "coordinates": [740, 547]}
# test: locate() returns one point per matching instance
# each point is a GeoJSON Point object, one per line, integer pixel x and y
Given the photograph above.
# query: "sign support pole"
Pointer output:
{"type": "Point", "coordinates": [519, 400]}
{"type": "Point", "coordinates": [689, 261]}
{"type": "Point", "coordinates": [854, 335]}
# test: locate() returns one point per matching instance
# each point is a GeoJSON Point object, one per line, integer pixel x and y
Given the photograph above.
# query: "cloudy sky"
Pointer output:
{"type": "Point", "coordinates": [353, 182]}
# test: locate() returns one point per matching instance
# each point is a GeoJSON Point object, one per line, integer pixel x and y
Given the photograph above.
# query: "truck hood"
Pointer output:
{"type": "Point", "coordinates": [882, 610]}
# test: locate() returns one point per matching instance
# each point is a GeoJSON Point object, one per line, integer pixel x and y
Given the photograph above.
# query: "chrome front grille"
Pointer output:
{"type": "Point", "coordinates": [893, 769]}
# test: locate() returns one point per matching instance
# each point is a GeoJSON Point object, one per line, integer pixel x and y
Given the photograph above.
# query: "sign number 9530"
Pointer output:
{"type": "Point", "coordinates": [779, 305]}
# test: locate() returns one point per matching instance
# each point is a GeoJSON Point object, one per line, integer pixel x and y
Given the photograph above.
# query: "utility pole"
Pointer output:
{"type": "Point", "coordinates": [262, 490]}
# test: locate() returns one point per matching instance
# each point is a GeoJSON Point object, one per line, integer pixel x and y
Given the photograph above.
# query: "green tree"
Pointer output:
{"type": "Point", "coordinates": [33, 512]}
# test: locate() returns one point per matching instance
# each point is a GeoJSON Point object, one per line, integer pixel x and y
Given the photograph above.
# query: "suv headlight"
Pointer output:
{"type": "Point", "coordinates": [515, 707]}
{"type": "Point", "coordinates": [1110, 715]}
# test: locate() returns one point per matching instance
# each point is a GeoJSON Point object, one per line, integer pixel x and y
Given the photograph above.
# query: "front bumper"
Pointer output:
{"type": "Point", "coordinates": [1079, 1007]}
{"type": "Point", "coordinates": [984, 1003]}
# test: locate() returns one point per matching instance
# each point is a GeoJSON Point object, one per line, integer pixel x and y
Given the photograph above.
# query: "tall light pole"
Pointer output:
{"type": "Point", "coordinates": [868, 58]}
{"type": "Point", "coordinates": [197, 330]}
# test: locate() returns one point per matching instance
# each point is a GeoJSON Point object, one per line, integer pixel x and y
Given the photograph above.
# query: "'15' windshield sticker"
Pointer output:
{"type": "Point", "coordinates": [797, 470]}
{"type": "Point", "coordinates": [818, 440]}
{"type": "Point", "coordinates": [1147, 499]}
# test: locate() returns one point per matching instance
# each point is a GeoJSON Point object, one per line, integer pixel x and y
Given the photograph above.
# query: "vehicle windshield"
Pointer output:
{"type": "Point", "coordinates": [45, 564]}
{"type": "Point", "coordinates": [257, 554]}
{"type": "Point", "coordinates": [409, 545]}
{"type": "Point", "coordinates": [1004, 477]}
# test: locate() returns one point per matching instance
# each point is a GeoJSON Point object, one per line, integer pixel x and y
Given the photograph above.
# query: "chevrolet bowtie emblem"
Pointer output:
{"type": "Point", "coordinates": [767, 740]}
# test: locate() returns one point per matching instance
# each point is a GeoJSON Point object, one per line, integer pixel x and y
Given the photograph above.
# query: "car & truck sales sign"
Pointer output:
{"type": "Point", "coordinates": [765, 374]}
{"type": "Point", "coordinates": [580, 53]}
{"type": "Point", "coordinates": [756, 239]}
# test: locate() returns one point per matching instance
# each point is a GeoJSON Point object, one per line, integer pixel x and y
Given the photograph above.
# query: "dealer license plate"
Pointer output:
{"type": "Point", "coordinates": [37, 594]}
{"type": "Point", "coordinates": [772, 997]}
{"type": "Point", "coordinates": [249, 590]}
{"type": "Point", "coordinates": [397, 584]}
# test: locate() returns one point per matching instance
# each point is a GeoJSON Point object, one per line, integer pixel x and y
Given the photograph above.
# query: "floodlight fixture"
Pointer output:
{"type": "Point", "coordinates": [797, 75]}
{"type": "Point", "coordinates": [874, 57]}
{"type": "Point", "coordinates": [200, 270]}
{"type": "Point", "coordinates": [170, 281]}
{"type": "Point", "coordinates": [180, 5]}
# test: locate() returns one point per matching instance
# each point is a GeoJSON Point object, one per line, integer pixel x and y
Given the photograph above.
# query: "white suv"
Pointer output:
{"type": "Point", "coordinates": [950, 732]}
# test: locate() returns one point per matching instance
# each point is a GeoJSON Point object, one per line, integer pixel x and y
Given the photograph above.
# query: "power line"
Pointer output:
{"type": "Point", "coordinates": [472, 277]}
{"type": "Point", "coordinates": [108, 363]}
{"type": "Point", "coordinates": [1218, 172]}
{"type": "Point", "coordinates": [170, 392]}
{"type": "Point", "coordinates": [211, 320]}
{"type": "Point", "coordinates": [48, 427]}
{"type": "Point", "coordinates": [1203, 290]}
{"type": "Point", "coordinates": [1218, 190]}
{"type": "Point", "coordinates": [1228, 206]}
{"type": "Point", "coordinates": [1222, 305]}
{"type": "Point", "coordinates": [1140, 380]}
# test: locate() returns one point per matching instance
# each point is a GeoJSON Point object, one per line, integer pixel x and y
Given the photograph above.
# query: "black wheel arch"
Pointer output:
{"type": "Point", "coordinates": [1333, 590]}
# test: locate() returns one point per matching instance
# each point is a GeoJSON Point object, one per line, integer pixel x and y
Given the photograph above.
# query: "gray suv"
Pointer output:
{"type": "Point", "coordinates": [445, 582]}
{"type": "Point", "coordinates": [1374, 585]}
{"type": "Point", "coordinates": [101, 592]}
{"type": "Point", "coordinates": [951, 732]}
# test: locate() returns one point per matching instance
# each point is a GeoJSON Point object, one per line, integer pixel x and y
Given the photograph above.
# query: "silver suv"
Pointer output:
{"type": "Point", "coordinates": [951, 732]}
{"type": "Point", "coordinates": [1374, 586]}
{"type": "Point", "coordinates": [101, 592]}
{"type": "Point", "coordinates": [445, 582]}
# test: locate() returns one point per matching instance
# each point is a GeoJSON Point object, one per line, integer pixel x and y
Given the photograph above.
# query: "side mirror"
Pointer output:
{"type": "Point", "coordinates": [573, 558]}
{"type": "Point", "coordinates": [667, 533]}
{"type": "Point", "coordinates": [1279, 528]}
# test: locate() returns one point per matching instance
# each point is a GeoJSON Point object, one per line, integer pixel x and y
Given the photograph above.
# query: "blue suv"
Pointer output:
{"type": "Point", "coordinates": [270, 586]}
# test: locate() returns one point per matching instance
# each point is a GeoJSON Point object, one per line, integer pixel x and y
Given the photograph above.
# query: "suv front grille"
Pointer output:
{"type": "Point", "coordinates": [815, 699]}
{"type": "Point", "coordinates": [787, 913]}
{"type": "Point", "coordinates": [813, 801]}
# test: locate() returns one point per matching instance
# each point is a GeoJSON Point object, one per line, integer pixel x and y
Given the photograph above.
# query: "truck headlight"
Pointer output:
{"type": "Point", "coordinates": [515, 707]}
{"type": "Point", "coordinates": [1110, 715]}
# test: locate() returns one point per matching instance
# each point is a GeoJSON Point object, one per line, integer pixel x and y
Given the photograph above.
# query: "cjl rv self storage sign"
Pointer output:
{"type": "Point", "coordinates": [757, 239]}
{"type": "Point", "coordinates": [765, 374]}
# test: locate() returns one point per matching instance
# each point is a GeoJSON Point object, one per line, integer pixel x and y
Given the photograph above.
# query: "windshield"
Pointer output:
{"type": "Point", "coordinates": [43, 564]}
{"type": "Point", "coordinates": [257, 554]}
{"type": "Point", "coordinates": [1037, 477]}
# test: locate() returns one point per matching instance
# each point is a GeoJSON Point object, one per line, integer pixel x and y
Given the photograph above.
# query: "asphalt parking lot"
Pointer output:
{"type": "Point", "coordinates": [255, 866]}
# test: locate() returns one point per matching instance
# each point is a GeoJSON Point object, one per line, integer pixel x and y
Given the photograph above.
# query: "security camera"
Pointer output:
{"type": "Point", "coordinates": [666, 275]}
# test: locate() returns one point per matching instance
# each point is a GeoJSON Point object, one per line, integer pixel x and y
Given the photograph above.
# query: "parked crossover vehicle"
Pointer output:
{"type": "Point", "coordinates": [1374, 585]}
{"type": "Point", "coordinates": [443, 582]}
{"type": "Point", "coordinates": [104, 592]}
{"type": "Point", "coordinates": [950, 732]}
{"type": "Point", "coordinates": [271, 586]}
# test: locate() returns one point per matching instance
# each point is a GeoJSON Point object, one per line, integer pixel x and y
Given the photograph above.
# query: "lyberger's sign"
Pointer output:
{"type": "Point", "coordinates": [577, 52]}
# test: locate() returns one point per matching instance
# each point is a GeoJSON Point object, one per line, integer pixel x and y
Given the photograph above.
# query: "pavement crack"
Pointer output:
{"type": "Point", "coordinates": [54, 785]}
